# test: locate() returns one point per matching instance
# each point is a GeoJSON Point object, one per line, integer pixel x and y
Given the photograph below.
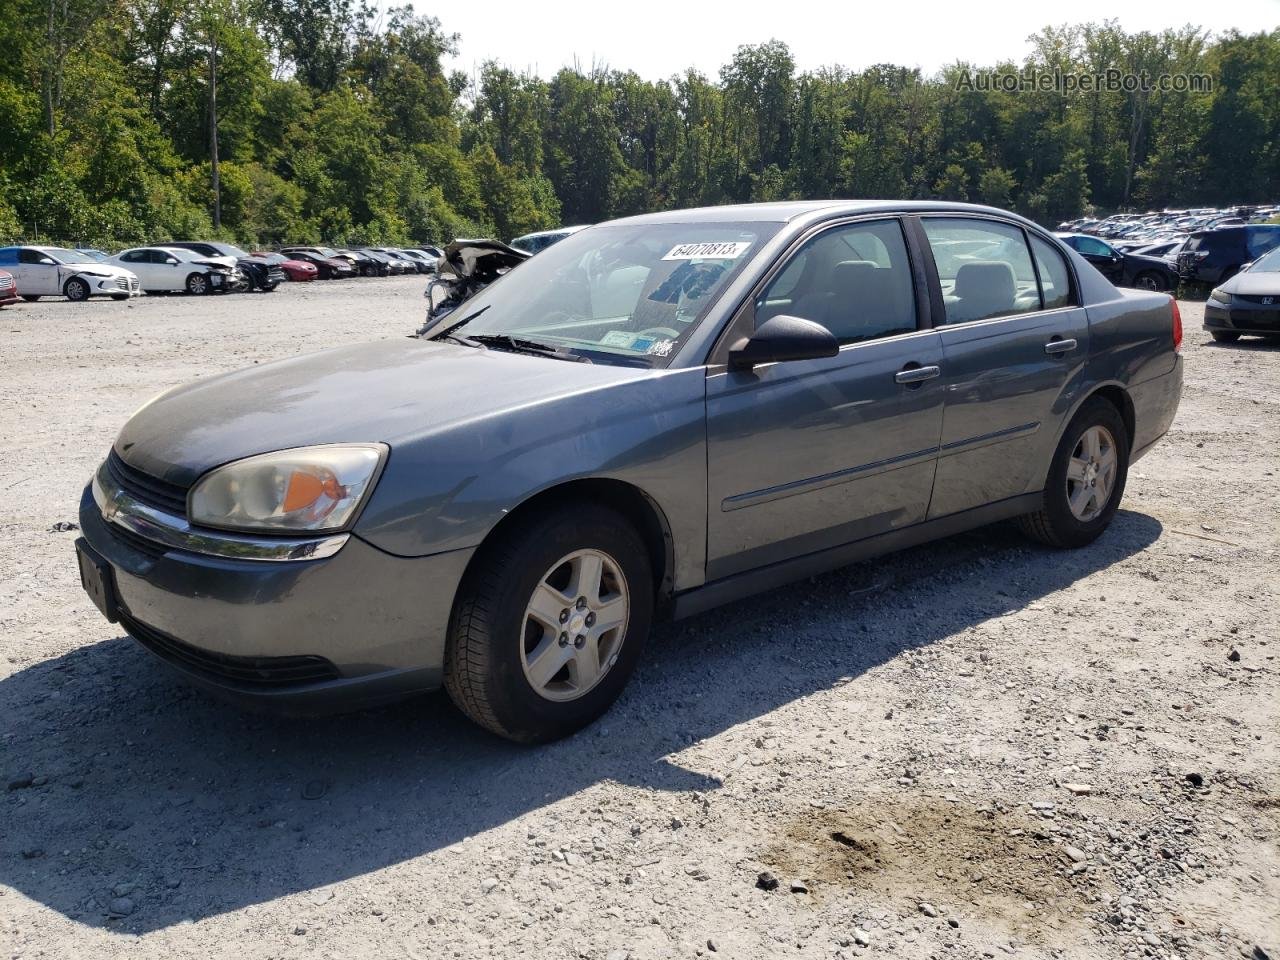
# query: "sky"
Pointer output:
{"type": "Point", "coordinates": [659, 38]}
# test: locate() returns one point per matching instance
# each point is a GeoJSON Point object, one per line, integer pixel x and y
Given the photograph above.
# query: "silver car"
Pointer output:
{"type": "Point", "coordinates": [650, 418]}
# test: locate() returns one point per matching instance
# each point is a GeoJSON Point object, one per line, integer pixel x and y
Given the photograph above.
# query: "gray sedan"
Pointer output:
{"type": "Point", "coordinates": [652, 417]}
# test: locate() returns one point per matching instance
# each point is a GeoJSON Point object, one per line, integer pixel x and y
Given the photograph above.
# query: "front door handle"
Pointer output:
{"type": "Point", "coordinates": [1059, 346]}
{"type": "Point", "coordinates": [916, 374]}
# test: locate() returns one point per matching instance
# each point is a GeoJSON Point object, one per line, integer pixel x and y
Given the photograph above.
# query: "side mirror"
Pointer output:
{"type": "Point", "coordinates": [783, 338]}
{"type": "Point", "coordinates": [46, 261]}
{"type": "Point", "coordinates": [172, 261]}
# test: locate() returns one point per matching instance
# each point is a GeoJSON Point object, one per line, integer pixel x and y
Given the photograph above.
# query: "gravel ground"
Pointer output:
{"type": "Point", "coordinates": [978, 748]}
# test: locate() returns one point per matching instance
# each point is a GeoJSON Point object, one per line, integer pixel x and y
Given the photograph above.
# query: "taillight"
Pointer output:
{"type": "Point", "coordinates": [1177, 326]}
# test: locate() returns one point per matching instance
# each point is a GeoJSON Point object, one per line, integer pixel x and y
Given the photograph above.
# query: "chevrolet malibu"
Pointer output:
{"type": "Point", "coordinates": [652, 417]}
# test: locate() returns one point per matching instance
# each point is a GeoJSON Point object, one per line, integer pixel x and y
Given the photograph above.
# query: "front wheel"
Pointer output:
{"type": "Point", "coordinates": [1150, 280]}
{"type": "Point", "coordinates": [76, 290]}
{"type": "Point", "coordinates": [1086, 479]}
{"type": "Point", "coordinates": [1228, 337]}
{"type": "Point", "coordinates": [198, 284]}
{"type": "Point", "coordinates": [549, 623]}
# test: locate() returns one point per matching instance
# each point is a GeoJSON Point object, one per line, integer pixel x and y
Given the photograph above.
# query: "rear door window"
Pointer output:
{"type": "Point", "coordinates": [1260, 240]}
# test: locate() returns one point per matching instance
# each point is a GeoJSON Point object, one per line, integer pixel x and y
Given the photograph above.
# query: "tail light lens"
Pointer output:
{"type": "Point", "coordinates": [1177, 326]}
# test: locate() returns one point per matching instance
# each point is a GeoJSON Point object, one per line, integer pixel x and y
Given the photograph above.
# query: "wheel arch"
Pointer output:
{"type": "Point", "coordinates": [635, 504]}
{"type": "Point", "coordinates": [1115, 394]}
{"type": "Point", "coordinates": [1119, 398]}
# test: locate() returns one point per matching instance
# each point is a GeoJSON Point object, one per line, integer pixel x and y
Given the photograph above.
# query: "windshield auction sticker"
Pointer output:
{"type": "Point", "coordinates": [728, 250]}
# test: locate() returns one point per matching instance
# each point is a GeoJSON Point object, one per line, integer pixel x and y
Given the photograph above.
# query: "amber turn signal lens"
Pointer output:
{"type": "Point", "coordinates": [306, 488]}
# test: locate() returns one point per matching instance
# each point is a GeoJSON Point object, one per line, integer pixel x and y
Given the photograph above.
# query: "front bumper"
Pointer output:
{"type": "Point", "coordinates": [1242, 316]}
{"type": "Point", "coordinates": [351, 630]}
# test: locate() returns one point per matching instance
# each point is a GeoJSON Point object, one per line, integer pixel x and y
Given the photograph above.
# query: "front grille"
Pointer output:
{"type": "Point", "coordinates": [256, 672]}
{"type": "Point", "coordinates": [132, 540]}
{"type": "Point", "coordinates": [1266, 300]}
{"type": "Point", "coordinates": [6, 282]}
{"type": "Point", "coordinates": [169, 497]}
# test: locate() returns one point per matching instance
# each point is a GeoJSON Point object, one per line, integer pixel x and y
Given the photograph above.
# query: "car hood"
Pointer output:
{"type": "Point", "coordinates": [98, 269]}
{"type": "Point", "coordinates": [1146, 260]}
{"type": "Point", "coordinates": [390, 391]}
{"type": "Point", "coordinates": [1264, 282]}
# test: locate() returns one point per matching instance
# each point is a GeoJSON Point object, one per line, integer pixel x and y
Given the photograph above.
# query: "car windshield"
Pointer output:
{"type": "Point", "coordinates": [228, 250]}
{"type": "Point", "coordinates": [1268, 263]}
{"type": "Point", "coordinates": [178, 253]}
{"type": "Point", "coordinates": [617, 293]}
{"type": "Point", "coordinates": [276, 258]}
{"type": "Point", "coordinates": [63, 255]}
{"type": "Point", "coordinates": [327, 251]}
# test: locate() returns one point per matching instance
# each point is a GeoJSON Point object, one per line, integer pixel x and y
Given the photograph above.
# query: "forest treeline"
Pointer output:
{"type": "Point", "coordinates": [339, 123]}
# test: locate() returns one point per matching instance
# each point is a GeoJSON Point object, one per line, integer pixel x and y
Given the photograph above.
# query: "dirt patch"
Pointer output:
{"type": "Point", "coordinates": [1000, 863]}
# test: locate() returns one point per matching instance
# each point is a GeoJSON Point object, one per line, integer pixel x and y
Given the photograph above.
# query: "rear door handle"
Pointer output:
{"type": "Point", "coordinates": [1059, 346]}
{"type": "Point", "coordinates": [916, 374]}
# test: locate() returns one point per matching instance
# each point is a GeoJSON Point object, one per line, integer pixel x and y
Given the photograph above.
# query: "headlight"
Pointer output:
{"type": "Point", "coordinates": [313, 489]}
{"type": "Point", "coordinates": [1218, 295]}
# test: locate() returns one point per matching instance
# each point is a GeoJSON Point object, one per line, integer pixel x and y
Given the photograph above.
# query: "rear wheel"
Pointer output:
{"type": "Point", "coordinates": [198, 284]}
{"type": "Point", "coordinates": [1086, 479]}
{"type": "Point", "coordinates": [549, 624]}
{"type": "Point", "coordinates": [76, 290]}
{"type": "Point", "coordinates": [1224, 337]}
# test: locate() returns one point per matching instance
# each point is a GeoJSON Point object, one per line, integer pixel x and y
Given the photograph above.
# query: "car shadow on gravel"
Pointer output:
{"type": "Point", "coordinates": [128, 789]}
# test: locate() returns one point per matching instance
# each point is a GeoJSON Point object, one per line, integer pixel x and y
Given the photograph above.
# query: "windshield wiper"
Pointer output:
{"type": "Point", "coordinates": [459, 325]}
{"type": "Point", "coordinates": [520, 345]}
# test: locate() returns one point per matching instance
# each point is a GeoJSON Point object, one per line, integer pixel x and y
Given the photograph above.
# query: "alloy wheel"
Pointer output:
{"type": "Point", "coordinates": [575, 625]}
{"type": "Point", "coordinates": [1091, 473]}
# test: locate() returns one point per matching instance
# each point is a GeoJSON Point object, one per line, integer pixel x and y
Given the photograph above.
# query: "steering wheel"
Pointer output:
{"type": "Point", "coordinates": [660, 331]}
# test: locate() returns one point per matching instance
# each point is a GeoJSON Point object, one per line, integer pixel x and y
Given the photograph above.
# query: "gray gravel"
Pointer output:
{"type": "Point", "coordinates": [1063, 755]}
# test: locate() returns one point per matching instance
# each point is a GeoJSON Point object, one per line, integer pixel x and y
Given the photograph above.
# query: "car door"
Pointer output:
{"type": "Point", "coordinates": [34, 277]}
{"type": "Point", "coordinates": [1014, 343]}
{"type": "Point", "coordinates": [169, 272]}
{"type": "Point", "coordinates": [1109, 263]}
{"type": "Point", "coordinates": [136, 262]}
{"type": "Point", "coordinates": [811, 454]}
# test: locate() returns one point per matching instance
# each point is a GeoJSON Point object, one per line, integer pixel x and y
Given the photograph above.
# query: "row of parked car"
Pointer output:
{"type": "Point", "coordinates": [1158, 251]}
{"type": "Point", "coordinates": [190, 266]}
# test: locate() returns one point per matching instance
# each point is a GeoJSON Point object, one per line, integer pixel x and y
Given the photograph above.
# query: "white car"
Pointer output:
{"type": "Point", "coordinates": [59, 272]}
{"type": "Point", "coordinates": [171, 269]}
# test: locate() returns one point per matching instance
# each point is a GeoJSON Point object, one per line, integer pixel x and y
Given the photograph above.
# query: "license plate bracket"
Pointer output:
{"type": "Point", "coordinates": [98, 580]}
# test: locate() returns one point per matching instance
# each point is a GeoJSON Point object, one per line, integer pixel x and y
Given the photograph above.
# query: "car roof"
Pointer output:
{"type": "Point", "coordinates": [784, 211]}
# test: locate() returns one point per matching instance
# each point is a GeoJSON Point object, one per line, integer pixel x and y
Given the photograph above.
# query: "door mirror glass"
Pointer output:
{"type": "Point", "coordinates": [783, 338]}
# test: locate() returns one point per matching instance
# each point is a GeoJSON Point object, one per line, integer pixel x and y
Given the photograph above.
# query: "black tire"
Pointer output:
{"type": "Point", "coordinates": [366, 270]}
{"type": "Point", "coordinates": [1054, 523]}
{"type": "Point", "coordinates": [483, 669]}
{"type": "Point", "coordinates": [1224, 337]}
{"type": "Point", "coordinates": [1150, 280]}
{"type": "Point", "coordinates": [30, 297]}
{"type": "Point", "coordinates": [268, 287]}
{"type": "Point", "coordinates": [76, 290]}
{"type": "Point", "coordinates": [198, 284]}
